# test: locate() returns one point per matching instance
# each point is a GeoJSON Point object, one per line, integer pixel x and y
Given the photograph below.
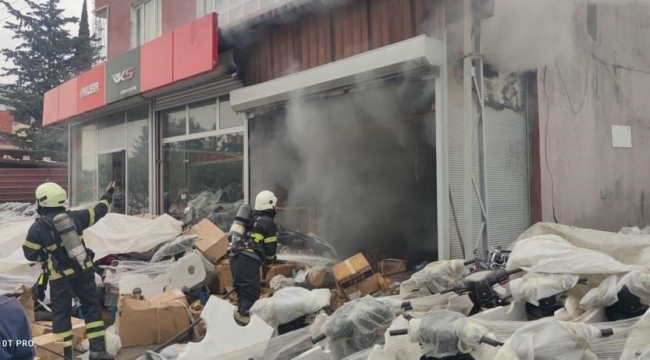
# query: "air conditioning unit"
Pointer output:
{"type": "Point", "coordinates": [47, 159]}
{"type": "Point", "coordinates": [26, 157]}
{"type": "Point", "coordinates": [7, 157]}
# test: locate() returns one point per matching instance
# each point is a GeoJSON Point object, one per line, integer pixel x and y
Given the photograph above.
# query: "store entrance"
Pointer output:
{"type": "Point", "coordinates": [112, 167]}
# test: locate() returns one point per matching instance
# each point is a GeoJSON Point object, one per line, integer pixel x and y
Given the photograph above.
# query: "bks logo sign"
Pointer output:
{"type": "Point", "coordinates": [125, 75]}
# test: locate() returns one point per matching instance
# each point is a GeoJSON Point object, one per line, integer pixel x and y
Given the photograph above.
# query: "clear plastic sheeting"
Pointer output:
{"type": "Point", "coordinates": [449, 301]}
{"type": "Point", "coordinates": [445, 333]}
{"type": "Point", "coordinates": [606, 293]}
{"type": "Point", "coordinates": [550, 339]}
{"type": "Point", "coordinates": [437, 276]}
{"type": "Point", "coordinates": [10, 212]}
{"type": "Point", "coordinates": [290, 303]}
{"type": "Point", "coordinates": [9, 283]}
{"type": "Point", "coordinates": [552, 254]}
{"type": "Point", "coordinates": [635, 230]}
{"type": "Point", "coordinates": [627, 249]}
{"type": "Point", "coordinates": [120, 234]}
{"type": "Point", "coordinates": [172, 352]}
{"type": "Point", "coordinates": [533, 287]}
{"type": "Point", "coordinates": [280, 281]}
{"type": "Point", "coordinates": [177, 246]}
{"type": "Point", "coordinates": [359, 324]}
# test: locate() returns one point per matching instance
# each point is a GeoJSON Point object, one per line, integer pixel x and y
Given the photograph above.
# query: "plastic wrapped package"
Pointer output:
{"type": "Point", "coordinates": [283, 347]}
{"type": "Point", "coordinates": [449, 301]}
{"type": "Point", "coordinates": [552, 254]}
{"type": "Point", "coordinates": [359, 324]}
{"type": "Point", "coordinates": [445, 333]}
{"type": "Point", "coordinates": [606, 294]}
{"type": "Point", "coordinates": [361, 355]}
{"type": "Point", "coordinates": [290, 303]}
{"type": "Point", "coordinates": [635, 230]}
{"type": "Point", "coordinates": [280, 281]}
{"type": "Point", "coordinates": [533, 287]}
{"type": "Point", "coordinates": [437, 276]}
{"type": "Point", "coordinates": [550, 339]}
{"type": "Point", "coordinates": [178, 245]}
{"type": "Point", "coordinates": [172, 352]}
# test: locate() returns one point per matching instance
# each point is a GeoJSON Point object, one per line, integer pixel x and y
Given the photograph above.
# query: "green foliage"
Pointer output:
{"type": "Point", "coordinates": [46, 57]}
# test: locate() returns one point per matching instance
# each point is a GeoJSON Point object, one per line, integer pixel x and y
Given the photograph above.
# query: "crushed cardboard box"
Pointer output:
{"type": "Point", "coordinates": [45, 327]}
{"type": "Point", "coordinates": [285, 270]}
{"type": "Point", "coordinates": [391, 266]}
{"type": "Point", "coordinates": [50, 342]}
{"type": "Point", "coordinates": [355, 277]}
{"type": "Point", "coordinates": [316, 277]}
{"type": "Point", "coordinates": [153, 321]}
{"type": "Point", "coordinates": [224, 276]}
{"type": "Point", "coordinates": [213, 243]}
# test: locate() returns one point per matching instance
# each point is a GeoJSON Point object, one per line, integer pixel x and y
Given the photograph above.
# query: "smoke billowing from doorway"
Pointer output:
{"type": "Point", "coordinates": [366, 161]}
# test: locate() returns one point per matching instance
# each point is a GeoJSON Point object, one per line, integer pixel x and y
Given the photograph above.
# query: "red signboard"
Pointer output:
{"type": "Point", "coordinates": [91, 89]}
{"type": "Point", "coordinates": [196, 47]}
{"type": "Point", "coordinates": [183, 53]}
{"type": "Point", "coordinates": [157, 63]}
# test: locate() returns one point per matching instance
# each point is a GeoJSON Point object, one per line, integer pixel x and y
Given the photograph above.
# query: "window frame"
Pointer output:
{"type": "Point", "coordinates": [140, 5]}
{"type": "Point", "coordinates": [105, 41]}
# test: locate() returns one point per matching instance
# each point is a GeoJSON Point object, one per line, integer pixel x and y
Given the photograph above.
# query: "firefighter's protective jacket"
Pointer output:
{"type": "Point", "coordinates": [265, 236]}
{"type": "Point", "coordinates": [43, 244]}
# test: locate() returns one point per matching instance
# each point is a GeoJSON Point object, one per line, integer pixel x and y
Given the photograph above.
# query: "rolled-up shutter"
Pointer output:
{"type": "Point", "coordinates": [210, 88]}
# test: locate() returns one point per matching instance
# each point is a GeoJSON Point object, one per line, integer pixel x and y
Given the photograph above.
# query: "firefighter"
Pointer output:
{"type": "Point", "coordinates": [258, 249]}
{"type": "Point", "coordinates": [57, 241]}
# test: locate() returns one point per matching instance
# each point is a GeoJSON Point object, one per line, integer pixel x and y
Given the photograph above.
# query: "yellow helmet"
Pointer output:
{"type": "Point", "coordinates": [265, 200]}
{"type": "Point", "coordinates": [51, 195]}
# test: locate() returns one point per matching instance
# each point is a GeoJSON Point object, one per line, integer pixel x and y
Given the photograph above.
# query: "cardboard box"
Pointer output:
{"type": "Point", "coordinates": [391, 266]}
{"type": "Point", "coordinates": [169, 296]}
{"type": "Point", "coordinates": [224, 276]}
{"type": "Point", "coordinates": [355, 277]}
{"type": "Point", "coordinates": [316, 277]}
{"type": "Point", "coordinates": [144, 322]}
{"type": "Point", "coordinates": [50, 342]}
{"type": "Point", "coordinates": [285, 270]}
{"type": "Point", "coordinates": [45, 327]}
{"type": "Point", "coordinates": [213, 242]}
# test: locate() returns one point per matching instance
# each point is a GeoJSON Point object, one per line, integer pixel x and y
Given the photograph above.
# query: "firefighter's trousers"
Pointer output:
{"type": "Point", "coordinates": [245, 270]}
{"type": "Point", "coordinates": [83, 285]}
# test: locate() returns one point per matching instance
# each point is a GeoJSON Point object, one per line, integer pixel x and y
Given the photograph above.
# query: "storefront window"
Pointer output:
{"type": "Point", "coordinates": [137, 146]}
{"type": "Point", "coordinates": [205, 174]}
{"type": "Point", "coordinates": [111, 132]}
{"type": "Point", "coordinates": [227, 117]}
{"type": "Point", "coordinates": [173, 122]}
{"type": "Point", "coordinates": [203, 116]}
{"type": "Point", "coordinates": [85, 166]}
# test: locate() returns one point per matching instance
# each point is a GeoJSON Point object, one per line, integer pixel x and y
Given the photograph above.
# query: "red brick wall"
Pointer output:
{"type": "Point", "coordinates": [174, 14]}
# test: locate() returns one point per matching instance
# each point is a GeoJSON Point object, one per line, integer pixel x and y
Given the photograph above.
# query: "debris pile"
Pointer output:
{"type": "Point", "coordinates": [168, 285]}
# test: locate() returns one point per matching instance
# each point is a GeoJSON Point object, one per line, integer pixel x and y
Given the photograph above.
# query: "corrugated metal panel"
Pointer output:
{"type": "Point", "coordinates": [507, 174]}
{"type": "Point", "coordinates": [350, 29]}
{"type": "Point", "coordinates": [213, 88]}
{"type": "Point", "coordinates": [18, 185]}
{"type": "Point", "coordinates": [359, 26]}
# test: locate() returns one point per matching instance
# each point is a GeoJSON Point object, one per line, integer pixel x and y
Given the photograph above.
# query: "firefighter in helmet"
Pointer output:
{"type": "Point", "coordinates": [56, 240]}
{"type": "Point", "coordinates": [258, 249]}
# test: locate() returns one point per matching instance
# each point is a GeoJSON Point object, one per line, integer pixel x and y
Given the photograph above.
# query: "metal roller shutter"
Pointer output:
{"type": "Point", "coordinates": [222, 85]}
{"type": "Point", "coordinates": [507, 173]}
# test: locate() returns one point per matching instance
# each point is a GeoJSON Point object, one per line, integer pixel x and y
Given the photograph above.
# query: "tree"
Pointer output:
{"type": "Point", "coordinates": [46, 57]}
{"type": "Point", "coordinates": [86, 47]}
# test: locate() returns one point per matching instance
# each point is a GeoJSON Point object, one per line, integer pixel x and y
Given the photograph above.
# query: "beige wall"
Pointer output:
{"type": "Point", "coordinates": [585, 181]}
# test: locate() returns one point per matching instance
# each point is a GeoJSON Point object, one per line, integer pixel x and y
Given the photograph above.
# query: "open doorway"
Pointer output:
{"type": "Point", "coordinates": [112, 167]}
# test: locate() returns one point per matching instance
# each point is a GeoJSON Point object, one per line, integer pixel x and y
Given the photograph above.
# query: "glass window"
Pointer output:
{"type": "Point", "coordinates": [174, 179]}
{"type": "Point", "coordinates": [111, 132]}
{"type": "Point", "coordinates": [227, 117]}
{"type": "Point", "coordinates": [85, 166]}
{"type": "Point", "coordinates": [137, 146]}
{"type": "Point", "coordinates": [203, 116]}
{"type": "Point", "coordinates": [112, 167]}
{"type": "Point", "coordinates": [145, 22]}
{"type": "Point", "coordinates": [173, 122]}
{"type": "Point", "coordinates": [206, 174]}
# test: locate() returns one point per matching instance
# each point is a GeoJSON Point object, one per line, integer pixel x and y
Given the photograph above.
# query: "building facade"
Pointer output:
{"type": "Point", "coordinates": [369, 113]}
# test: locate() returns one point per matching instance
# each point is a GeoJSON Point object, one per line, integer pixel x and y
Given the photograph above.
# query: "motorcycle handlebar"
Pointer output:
{"type": "Point", "coordinates": [514, 271]}
{"type": "Point", "coordinates": [606, 332]}
{"type": "Point", "coordinates": [398, 332]}
{"type": "Point", "coordinates": [491, 342]}
{"type": "Point", "coordinates": [406, 305]}
{"type": "Point", "coordinates": [317, 339]}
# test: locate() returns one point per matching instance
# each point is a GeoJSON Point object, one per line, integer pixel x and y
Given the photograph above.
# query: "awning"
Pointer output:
{"type": "Point", "coordinates": [419, 52]}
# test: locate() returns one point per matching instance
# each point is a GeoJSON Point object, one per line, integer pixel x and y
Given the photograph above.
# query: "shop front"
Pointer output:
{"type": "Point", "coordinates": [157, 121]}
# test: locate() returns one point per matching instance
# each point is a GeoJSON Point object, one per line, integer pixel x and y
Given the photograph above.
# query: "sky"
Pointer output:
{"type": "Point", "coordinates": [71, 8]}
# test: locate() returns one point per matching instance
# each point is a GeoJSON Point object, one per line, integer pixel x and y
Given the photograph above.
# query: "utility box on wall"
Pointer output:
{"type": "Point", "coordinates": [621, 136]}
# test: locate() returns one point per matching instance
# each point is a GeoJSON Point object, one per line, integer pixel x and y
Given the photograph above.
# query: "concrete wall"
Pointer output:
{"type": "Point", "coordinates": [584, 180]}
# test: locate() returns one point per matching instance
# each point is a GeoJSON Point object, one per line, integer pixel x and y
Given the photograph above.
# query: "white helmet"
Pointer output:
{"type": "Point", "coordinates": [265, 200]}
{"type": "Point", "coordinates": [50, 195]}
